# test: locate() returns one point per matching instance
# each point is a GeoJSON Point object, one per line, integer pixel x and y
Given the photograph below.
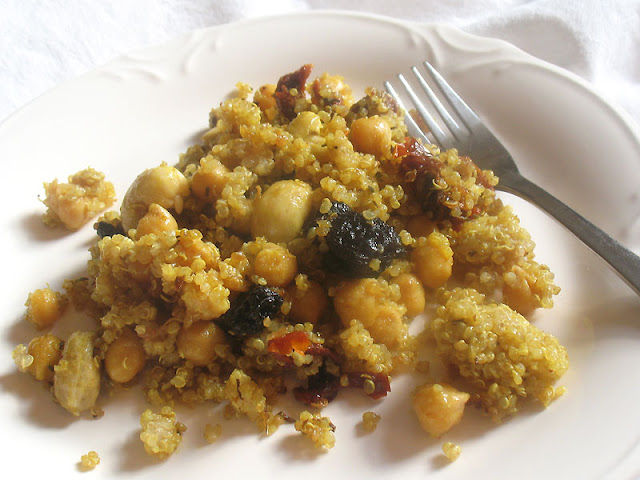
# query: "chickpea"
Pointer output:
{"type": "Point", "coordinates": [439, 407]}
{"type": "Point", "coordinates": [369, 301]}
{"type": "Point", "coordinates": [45, 307]}
{"type": "Point", "coordinates": [434, 260]}
{"type": "Point", "coordinates": [161, 185]}
{"type": "Point", "coordinates": [279, 214]}
{"type": "Point", "coordinates": [519, 290]}
{"type": "Point", "coordinates": [411, 293]}
{"type": "Point", "coordinates": [46, 352]}
{"type": "Point", "coordinates": [209, 180]}
{"type": "Point", "coordinates": [125, 357]}
{"type": "Point", "coordinates": [197, 342]}
{"type": "Point", "coordinates": [156, 220]}
{"type": "Point", "coordinates": [76, 378]}
{"type": "Point", "coordinates": [309, 305]}
{"type": "Point", "coordinates": [276, 265]}
{"type": "Point", "coordinates": [371, 135]}
{"type": "Point", "coordinates": [305, 124]}
{"type": "Point", "coordinates": [72, 210]}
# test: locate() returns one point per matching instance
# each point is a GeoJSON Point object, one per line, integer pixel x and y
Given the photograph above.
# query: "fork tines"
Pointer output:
{"type": "Point", "coordinates": [457, 131]}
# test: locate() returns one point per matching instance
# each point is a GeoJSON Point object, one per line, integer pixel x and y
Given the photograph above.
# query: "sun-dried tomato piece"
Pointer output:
{"type": "Point", "coordinates": [289, 343]}
{"type": "Point", "coordinates": [296, 81]}
{"type": "Point", "coordinates": [319, 350]}
{"type": "Point", "coordinates": [436, 197]}
{"type": "Point", "coordinates": [283, 346]}
{"type": "Point", "coordinates": [415, 156]}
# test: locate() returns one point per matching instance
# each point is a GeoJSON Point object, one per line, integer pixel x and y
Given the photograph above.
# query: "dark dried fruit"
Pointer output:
{"type": "Point", "coordinates": [248, 311]}
{"type": "Point", "coordinates": [321, 389]}
{"type": "Point", "coordinates": [106, 229]}
{"type": "Point", "coordinates": [355, 242]}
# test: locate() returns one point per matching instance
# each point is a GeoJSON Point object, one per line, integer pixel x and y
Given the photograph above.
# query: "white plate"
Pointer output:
{"type": "Point", "coordinates": [149, 106]}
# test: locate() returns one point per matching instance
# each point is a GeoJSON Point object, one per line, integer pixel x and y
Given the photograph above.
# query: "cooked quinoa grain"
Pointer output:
{"type": "Point", "coordinates": [317, 428]}
{"type": "Point", "coordinates": [498, 350]}
{"type": "Point", "coordinates": [89, 461]}
{"type": "Point", "coordinates": [370, 421]}
{"type": "Point", "coordinates": [161, 434]}
{"type": "Point", "coordinates": [451, 450]}
{"type": "Point", "coordinates": [287, 253]}
{"type": "Point", "coordinates": [212, 432]}
{"type": "Point", "coordinates": [73, 204]}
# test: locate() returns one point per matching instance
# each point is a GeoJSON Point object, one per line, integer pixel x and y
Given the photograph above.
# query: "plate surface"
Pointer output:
{"type": "Point", "coordinates": [147, 107]}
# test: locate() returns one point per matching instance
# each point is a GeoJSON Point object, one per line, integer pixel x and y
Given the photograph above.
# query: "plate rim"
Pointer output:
{"type": "Point", "coordinates": [421, 27]}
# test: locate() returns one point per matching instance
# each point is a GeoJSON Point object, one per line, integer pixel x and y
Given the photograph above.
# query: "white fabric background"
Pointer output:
{"type": "Point", "coordinates": [44, 43]}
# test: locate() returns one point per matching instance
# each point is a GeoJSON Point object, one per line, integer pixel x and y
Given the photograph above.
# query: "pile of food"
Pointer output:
{"type": "Point", "coordinates": [288, 253]}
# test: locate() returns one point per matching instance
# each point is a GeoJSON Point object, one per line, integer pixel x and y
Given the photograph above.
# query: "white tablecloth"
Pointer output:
{"type": "Point", "coordinates": [45, 43]}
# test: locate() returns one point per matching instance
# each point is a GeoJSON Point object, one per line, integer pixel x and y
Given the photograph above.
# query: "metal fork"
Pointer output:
{"type": "Point", "coordinates": [471, 137]}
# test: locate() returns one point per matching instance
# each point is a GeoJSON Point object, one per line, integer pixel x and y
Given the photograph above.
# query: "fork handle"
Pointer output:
{"type": "Point", "coordinates": [623, 260]}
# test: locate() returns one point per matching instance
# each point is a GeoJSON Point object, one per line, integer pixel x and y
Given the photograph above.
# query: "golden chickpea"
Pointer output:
{"type": "Point", "coordinates": [439, 407]}
{"type": "Point", "coordinates": [209, 180]}
{"type": "Point", "coordinates": [411, 293]}
{"type": "Point", "coordinates": [308, 305]}
{"type": "Point", "coordinates": [433, 261]}
{"type": "Point", "coordinates": [46, 352]}
{"type": "Point", "coordinates": [156, 220]}
{"type": "Point", "coordinates": [276, 265]}
{"type": "Point", "coordinates": [279, 214]}
{"type": "Point", "coordinates": [369, 300]}
{"type": "Point", "coordinates": [162, 185]}
{"type": "Point", "coordinates": [519, 290]}
{"type": "Point", "coordinates": [45, 307]}
{"type": "Point", "coordinates": [125, 357]}
{"type": "Point", "coordinates": [197, 342]}
{"type": "Point", "coordinates": [371, 135]}
{"type": "Point", "coordinates": [305, 124]}
{"type": "Point", "coordinates": [70, 209]}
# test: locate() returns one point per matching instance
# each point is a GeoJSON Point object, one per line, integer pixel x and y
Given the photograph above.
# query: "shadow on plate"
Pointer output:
{"type": "Point", "coordinates": [32, 224]}
{"type": "Point", "coordinates": [196, 138]}
{"type": "Point", "coordinates": [300, 449]}
{"type": "Point", "coordinates": [37, 401]}
{"type": "Point", "coordinates": [42, 408]}
{"type": "Point", "coordinates": [134, 458]}
{"type": "Point", "coordinates": [615, 318]}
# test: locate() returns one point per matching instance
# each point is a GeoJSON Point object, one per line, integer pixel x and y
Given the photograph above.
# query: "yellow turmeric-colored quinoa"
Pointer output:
{"type": "Point", "coordinates": [288, 252]}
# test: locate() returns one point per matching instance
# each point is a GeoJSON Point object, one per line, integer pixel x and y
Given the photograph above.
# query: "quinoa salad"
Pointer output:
{"type": "Point", "coordinates": [291, 253]}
